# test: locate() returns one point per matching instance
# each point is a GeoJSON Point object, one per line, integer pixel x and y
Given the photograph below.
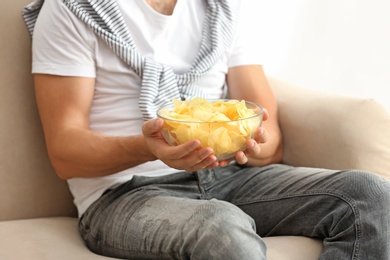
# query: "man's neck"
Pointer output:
{"type": "Point", "coordinates": [165, 7]}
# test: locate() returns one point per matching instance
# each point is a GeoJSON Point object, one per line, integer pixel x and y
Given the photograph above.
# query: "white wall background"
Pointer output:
{"type": "Point", "coordinates": [340, 46]}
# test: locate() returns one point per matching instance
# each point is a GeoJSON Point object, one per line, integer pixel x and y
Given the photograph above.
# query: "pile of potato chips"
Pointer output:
{"type": "Point", "coordinates": [224, 125]}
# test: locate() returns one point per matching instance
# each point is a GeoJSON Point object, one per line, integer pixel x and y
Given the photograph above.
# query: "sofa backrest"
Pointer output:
{"type": "Point", "coordinates": [324, 130]}
{"type": "Point", "coordinates": [28, 185]}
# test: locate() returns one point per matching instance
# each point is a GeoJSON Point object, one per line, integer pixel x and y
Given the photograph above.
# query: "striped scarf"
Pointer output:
{"type": "Point", "coordinates": [159, 82]}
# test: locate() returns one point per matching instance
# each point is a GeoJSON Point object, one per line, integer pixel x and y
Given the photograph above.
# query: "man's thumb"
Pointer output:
{"type": "Point", "coordinates": [152, 126]}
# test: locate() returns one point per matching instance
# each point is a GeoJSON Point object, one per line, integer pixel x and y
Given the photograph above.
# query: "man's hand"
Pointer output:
{"type": "Point", "coordinates": [253, 146]}
{"type": "Point", "coordinates": [188, 156]}
{"type": "Point", "coordinates": [250, 83]}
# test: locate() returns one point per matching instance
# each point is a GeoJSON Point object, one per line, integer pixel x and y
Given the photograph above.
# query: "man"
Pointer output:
{"type": "Point", "coordinates": [102, 68]}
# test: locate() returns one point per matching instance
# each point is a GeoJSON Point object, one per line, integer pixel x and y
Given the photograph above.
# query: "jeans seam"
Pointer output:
{"type": "Point", "coordinates": [340, 196]}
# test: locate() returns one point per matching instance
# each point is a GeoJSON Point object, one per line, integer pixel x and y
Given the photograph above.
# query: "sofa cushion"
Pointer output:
{"type": "Point", "coordinates": [293, 248]}
{"type": "Point", "coordinates": [325, 130]}
{"type": "Point", "coordinates": [58, 238]}
{"type": "Point", "coordinates": [43, 238]}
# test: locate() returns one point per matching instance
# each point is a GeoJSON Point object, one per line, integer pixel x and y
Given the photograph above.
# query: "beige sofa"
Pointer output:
{"type": "Point", "coordinates": [37, 217]}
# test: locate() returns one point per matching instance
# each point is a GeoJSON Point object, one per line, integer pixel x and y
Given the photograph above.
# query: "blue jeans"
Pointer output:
{"type": "Point", "coordinates": [223, 213]}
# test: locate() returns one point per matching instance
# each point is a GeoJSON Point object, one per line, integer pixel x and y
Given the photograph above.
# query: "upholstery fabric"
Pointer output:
{"type": "Point", "coordinates": [325, 130]}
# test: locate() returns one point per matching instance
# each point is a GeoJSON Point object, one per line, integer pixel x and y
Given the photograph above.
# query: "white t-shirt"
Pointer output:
{"type": "Point", "coordinates": [64, 45]}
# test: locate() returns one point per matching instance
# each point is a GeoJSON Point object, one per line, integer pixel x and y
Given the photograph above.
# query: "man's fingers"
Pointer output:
{"type": "Point", "coordinates": [261, 135]}
{"type": "Point", "coordinates": [188, 158]}
{"type": "Point", "coordinates": [265, 114]}
{"type": "Point", "coordinates": [152, 127]}
{"type": "Point", "coordinates": [241, 157]}
{"type": "Point", "coordinates": [186, 148]}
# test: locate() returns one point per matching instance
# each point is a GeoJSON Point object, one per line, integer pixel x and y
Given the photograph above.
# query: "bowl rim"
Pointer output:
{"type": "Point", "coordinates": [211, 122]}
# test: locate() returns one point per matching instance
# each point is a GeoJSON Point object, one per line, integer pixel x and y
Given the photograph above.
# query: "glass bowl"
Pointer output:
{"type": "Point", "coordinates": [223, 134]}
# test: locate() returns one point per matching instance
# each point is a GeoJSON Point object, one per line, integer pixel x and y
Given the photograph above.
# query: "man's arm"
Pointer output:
{"type": "Point", "coordinates": [249, 83]}
{"type": "Point", "coordinates": [64, 106]}
{"type": "Point", "coordinates": [76, 151]}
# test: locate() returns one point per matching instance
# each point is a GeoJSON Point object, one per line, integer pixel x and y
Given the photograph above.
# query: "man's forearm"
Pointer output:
{"type": "Point", "coordinates": [84, 153]}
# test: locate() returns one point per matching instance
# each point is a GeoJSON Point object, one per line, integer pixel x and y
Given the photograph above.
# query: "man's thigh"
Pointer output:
{"type": "Point", "coordinates": [155, 223]}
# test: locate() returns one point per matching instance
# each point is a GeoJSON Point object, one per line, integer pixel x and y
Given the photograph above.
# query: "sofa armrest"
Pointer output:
{"type": "Point", "coordinates": [326, 130]}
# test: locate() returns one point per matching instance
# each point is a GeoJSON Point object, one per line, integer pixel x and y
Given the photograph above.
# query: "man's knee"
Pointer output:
{"type": "Point", "coordinates": [364, 185]}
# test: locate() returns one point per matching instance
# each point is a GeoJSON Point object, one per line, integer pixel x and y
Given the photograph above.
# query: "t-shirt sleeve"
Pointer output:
{"type": "Point", "coordinates": [62, 43]}
{"type": "Point", "coordinates": [246, 47]}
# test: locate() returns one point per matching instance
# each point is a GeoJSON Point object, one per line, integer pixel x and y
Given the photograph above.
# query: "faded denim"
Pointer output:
{"type": "Point", "coordinates": [223, 213]}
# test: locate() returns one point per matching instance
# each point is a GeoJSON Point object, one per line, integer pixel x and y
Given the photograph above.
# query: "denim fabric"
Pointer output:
{"type": "Point", "coordinates": [223, 213]}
